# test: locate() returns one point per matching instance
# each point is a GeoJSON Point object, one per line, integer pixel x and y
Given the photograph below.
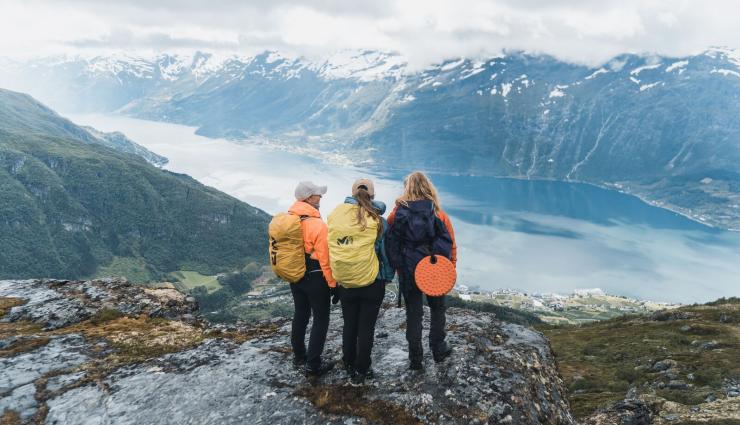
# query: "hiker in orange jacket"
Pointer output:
{"type": "Point", "coordinates": [311, 294]}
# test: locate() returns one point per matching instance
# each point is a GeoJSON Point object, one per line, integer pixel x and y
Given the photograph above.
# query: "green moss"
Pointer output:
{"type": "Point", "coordinates": [600, 361]}
{"type": "Point", "coordinates": [23, 344]}
{"type": "Point", "coordinates": [6, 303]}
{"type": "Point", "coordinates": [105, 315]}
{"type": "Point", "coordinates": [10, 417]}
{"type": "Point", "coordinates": [353, 401]}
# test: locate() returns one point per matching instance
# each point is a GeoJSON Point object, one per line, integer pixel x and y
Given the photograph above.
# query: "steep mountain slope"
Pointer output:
{"type": "Point", "coordinates": [69, 206]}
{"type": "Point", "coordinates": [20, 113]}
{"type": "Point", "coordinates": [662, 128]}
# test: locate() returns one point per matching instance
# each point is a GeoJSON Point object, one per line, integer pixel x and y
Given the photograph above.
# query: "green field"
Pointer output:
{"type": "Point", "coordinates": [188, 280]}
{"type": "Point", "coordinates": [134, 269]}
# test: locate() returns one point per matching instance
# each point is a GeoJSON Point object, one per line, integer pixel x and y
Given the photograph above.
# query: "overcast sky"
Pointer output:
{"type": "Point", "coordinates": [424, 31]}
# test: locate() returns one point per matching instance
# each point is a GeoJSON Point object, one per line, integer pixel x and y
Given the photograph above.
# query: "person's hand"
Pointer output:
{"type": "Point", "coordinates": [334, 295]}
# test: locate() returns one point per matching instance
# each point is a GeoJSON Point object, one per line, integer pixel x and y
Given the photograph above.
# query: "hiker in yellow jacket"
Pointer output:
{"type": "Point", "coordinates": [356, 253]}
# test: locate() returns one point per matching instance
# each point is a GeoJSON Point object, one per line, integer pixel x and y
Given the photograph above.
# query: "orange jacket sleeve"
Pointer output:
{"type": "Point", "coordinates": [448, 224]}
{"type": "Point", "coordinates": [316, 240]}
{"type": "Point", "coordinates": [392, 215]}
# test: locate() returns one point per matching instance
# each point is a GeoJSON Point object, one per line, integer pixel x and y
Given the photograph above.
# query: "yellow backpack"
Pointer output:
{"type": "Point", "coordinates": [352, 255]}
{"type": "Point", "coordinates": [287, 256]}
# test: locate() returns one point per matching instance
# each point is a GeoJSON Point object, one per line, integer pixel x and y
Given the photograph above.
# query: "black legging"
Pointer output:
{"type": "Point", "coordinates": [360, 307]}
{"type": "Point", "coordinates": [310, 295]}
{"type": "Point", "coordinates": [414, 315]}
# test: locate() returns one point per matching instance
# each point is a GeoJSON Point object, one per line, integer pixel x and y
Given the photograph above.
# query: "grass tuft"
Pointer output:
{"type": "Point", "coordinates": [353, 401]}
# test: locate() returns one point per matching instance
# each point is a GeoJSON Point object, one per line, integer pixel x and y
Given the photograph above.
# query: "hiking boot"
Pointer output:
{"type": "Point", "coordinates": [441, 354]}
{"type": "Point", "coordinates": [359, 378]}
{"type": "Point", "coordinates": [349, 368]}
{"type": "Point", "coordinates": [316, 371]}
{"type": "Point", "coordinates": [299, 361]}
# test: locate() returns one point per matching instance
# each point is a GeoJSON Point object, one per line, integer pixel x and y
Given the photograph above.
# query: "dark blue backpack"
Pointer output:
{"type": "Point", "coordinates": [415, 233]}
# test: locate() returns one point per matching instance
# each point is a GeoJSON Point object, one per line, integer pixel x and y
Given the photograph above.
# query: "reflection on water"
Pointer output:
{"type": "Point", "coordinates": [478, 197]}
{"type": "Point", "coordinates": [537, 236]}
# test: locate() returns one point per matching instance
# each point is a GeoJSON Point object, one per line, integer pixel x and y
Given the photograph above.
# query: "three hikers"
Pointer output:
{"type": "Point", "coordinates": [352, 259]}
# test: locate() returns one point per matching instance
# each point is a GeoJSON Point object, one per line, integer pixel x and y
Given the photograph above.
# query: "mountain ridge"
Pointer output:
{"type": "Point", "coordinates": [658, 127]}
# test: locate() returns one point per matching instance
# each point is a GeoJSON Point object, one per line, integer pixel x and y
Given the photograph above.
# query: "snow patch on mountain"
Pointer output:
{"type": "Point", "coordinates": [649, 86]}
{"type": "Point", "coordinates": [505, 89]}
{"type": "Point", "coordinates": [680, 66]}
{"type": "Point", "coordinates": [597, 72]}
{"type": "Point", "coordinates": [362, 66]}
{"type": "Point", "coordinates": [638, 70]}
{"type": "Point", "coordinates": [451, 65]}
{"type": "Point", "coordinates": [556, 93]}
{"type": "Point", "coordinates": [725, 72]}
{"type": "Point", "coordinates": [476, 69]}
{"type": "Point", "coordinates": [720, 53]}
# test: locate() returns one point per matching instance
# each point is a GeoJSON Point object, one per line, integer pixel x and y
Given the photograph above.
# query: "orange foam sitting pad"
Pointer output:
{"type": "Point", "coordinates": [435, 279]}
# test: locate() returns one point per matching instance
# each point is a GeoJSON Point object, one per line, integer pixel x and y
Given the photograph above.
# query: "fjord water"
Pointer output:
{"type": "Point", "coordinates": [534, 236]}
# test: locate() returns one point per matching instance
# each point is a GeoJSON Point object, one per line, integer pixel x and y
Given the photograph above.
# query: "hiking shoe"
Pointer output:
{"type": "Point", "coordinates": [441, 354]}
{"type": "Point", "coordinates": [299, 361]}
{"type": "Point", "coordinates": [349, 368]}
{"type": "Point", "coordinates": [320, 370]}
{"type": "Point", "coordinates": [359, 378]}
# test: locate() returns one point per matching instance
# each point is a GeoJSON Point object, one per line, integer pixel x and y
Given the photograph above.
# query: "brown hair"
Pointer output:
{"type": "Point", "coordinates": [365, 201]}
{"type": "Point", "coordinates": [418, 187]}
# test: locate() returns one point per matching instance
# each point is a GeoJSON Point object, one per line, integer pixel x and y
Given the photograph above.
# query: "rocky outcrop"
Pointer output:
{"type": "Point", "coordinates": [645, 409]}
{"type": "Point", "coordinates": [106, 351]}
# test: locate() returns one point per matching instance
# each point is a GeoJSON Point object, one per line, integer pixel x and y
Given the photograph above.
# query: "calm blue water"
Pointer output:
{"type": "Point", "coordinates": [537, 236]}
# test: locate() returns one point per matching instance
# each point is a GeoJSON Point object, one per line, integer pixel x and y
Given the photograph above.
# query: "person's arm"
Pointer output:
{"type": "Point", "coordinates": [319, 237]}
{"type": "Point", "coordinates": [448, 224]}
{"type": "Point", "coordinates": [392, 215]}
{"type": "Point", "coordinates": [386, 270]}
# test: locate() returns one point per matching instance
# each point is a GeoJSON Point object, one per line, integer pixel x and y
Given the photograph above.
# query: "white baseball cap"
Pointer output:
{"type": "Point", "coordinates": [306, 189]}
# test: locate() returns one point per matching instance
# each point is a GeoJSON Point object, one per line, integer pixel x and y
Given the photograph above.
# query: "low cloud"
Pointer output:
{"type": "Point", "coordinates": [582, 31]}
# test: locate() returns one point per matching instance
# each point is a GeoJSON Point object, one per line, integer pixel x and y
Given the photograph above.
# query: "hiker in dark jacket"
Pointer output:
{"type": "Point", "coordinates": [418, 228]}
{"type": "Point", "coordinates": [357, 236]}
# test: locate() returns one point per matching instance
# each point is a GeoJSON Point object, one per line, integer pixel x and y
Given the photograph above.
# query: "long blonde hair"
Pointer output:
{"type": "Point", "coordinates": [365, 202]}
{"type": "Point", "coordinates": [418, 187]}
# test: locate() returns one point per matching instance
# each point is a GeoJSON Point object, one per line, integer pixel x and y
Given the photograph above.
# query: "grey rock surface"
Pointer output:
{"type": "Point", "coordinates": [498, 373]}
{"type": "Point", "coordinates": [55, 304]}
{"type": "Point", "coordinates": [18, 373]}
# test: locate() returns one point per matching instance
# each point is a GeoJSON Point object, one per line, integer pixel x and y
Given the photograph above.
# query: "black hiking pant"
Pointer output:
{"type": "Point", "coordinates": [360, 307]}
{"type": "Point", "coordinates": [414, 315]}
{"type": "Point", "coordinates": [310, 297]}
